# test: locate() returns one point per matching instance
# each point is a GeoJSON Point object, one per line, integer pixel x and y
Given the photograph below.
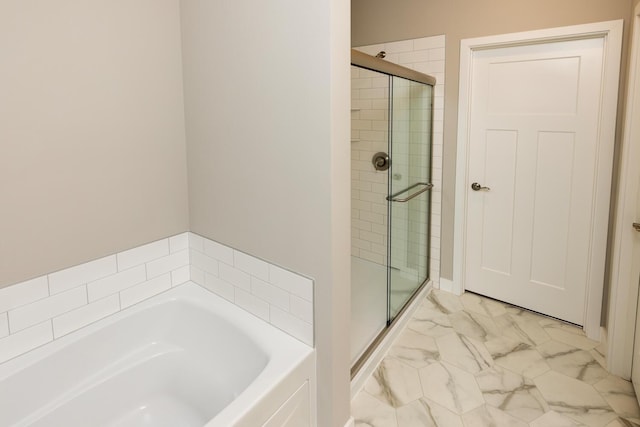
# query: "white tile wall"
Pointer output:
{"type": "Point", "coordinates": [4, 325]}
{"type": "Point", "coordinates": [46, 308]}
{"type": "Point", "coordinates": [23, 293]}
{"type": "Point", "coordinates": [71, 277]}
{"type": "Point", "coordinates": [369, 136]}
{"type": "Point", "coordinates": [84, 315]}
{"type": "Point", "coordinates": [251, 265]}
{"type": "Point", "coordinates": [179, 242]}
{"type": "Point", "coordinates": [291, 282]}
{"type": "Point", "coordinates": [142, 254]}
{"type": "Point", "coordinates": [369, 127]}
{"type": "Point", "coordinates": [217, 285]}
{"type": "Point", "coordinates": [145, 290]}
{"type": "Point", "coordinates": [167, 263]}
{"type": "Point", "coordinates": [218, 251]}
{"type": "Point", "coordinates": [235, 277]}
{"type": "Point", "coordinates": [37, 311]}
{"type": "Point", "coordinates": [252, 304]}
{"type": "Point", "coordinates": [279, 296]}
{"type": "Point", "coordinates": [290, 323]}
{"type": "Point", "coordinates": [116, 282]}
{"type": "Point", "coordinates": [25, 340]}
{"type": "Point", "coordinates": [180, 275]}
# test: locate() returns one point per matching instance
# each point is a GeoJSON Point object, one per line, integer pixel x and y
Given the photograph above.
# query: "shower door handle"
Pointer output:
{"type": "Point", "coordinates": [394, 197]}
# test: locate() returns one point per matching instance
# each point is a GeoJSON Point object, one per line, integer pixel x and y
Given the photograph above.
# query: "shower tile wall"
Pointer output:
{"type": "Point", "coordinates": [411, 140]}
{"type": "Point", "coordinates": [369, 135]}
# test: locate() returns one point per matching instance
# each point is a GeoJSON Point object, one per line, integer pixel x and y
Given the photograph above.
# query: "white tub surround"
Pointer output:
{"type": "Point", "coordinates": [41, 310]}
{"type": "Point", "coordinates": [185, 357]}
{"type": "Point", "coordinates": [276, 295]}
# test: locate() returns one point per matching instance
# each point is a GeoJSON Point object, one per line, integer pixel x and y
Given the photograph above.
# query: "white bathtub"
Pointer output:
{"type": "Point", "coordinates": [182, 358]}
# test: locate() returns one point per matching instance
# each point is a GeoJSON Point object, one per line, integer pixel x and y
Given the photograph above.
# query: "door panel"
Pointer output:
{"type": "Point", "coordinates": [500, 166]}
{"type": "Point", "coordinates": [544, 86]}
{"type": "Point", "coordinates": [533, 142]}
{"type": "Point", "coordinates": [550, 229]}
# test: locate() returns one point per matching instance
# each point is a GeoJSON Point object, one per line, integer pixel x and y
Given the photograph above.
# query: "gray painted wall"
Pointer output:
{"type": "Point", "coordinates": [92, 140]}
{"type": "Point", "coordinates": [268, 152]}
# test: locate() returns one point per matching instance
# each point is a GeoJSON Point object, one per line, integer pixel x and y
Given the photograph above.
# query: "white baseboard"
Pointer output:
{"type": "Point", "coordinates": [446, 285]}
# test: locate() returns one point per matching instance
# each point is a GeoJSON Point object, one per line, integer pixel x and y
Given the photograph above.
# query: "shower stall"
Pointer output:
{"type": "Point", "coordinates": [391, 126]}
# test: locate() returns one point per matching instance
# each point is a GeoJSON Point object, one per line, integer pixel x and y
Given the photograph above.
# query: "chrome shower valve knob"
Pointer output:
{"type": "Point", "coordinates": [381, 161]}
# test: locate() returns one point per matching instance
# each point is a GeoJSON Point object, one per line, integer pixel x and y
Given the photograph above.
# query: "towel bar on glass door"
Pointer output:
{"type": "Point", "coordinates": [394, 197]}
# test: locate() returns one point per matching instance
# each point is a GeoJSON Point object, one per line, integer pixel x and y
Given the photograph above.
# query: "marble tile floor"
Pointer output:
{"type": "Point", "coordinates": [475, 362]}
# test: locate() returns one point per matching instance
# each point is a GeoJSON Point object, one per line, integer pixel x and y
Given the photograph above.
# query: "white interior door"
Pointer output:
{"type": "Point", "coordinates": [534, 143]}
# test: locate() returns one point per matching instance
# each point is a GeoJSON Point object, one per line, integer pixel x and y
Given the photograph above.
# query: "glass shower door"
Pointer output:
{"type": "Point", "coordinates": [390, 198]}
{"type": "Point", "coordinates": [409, 191]}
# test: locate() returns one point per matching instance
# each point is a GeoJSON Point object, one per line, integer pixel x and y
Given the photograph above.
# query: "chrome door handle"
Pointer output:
{"type": "Point", "coordinates": [477, 187]}
{"type": "Point", "coordinates": [636, 226]}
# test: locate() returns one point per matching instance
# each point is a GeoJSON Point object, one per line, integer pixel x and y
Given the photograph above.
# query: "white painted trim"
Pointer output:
{"type": "Point", "coordinates": [447, 286]}
{"type": "Point", "coordinates": [378, 354]}
{"type": "Point", "coordinates": [611, 32]}
{"type": "Point", "coordinates": [351, 422]}
{"type": "Point", "coordinates": [604, 341]}
{"type": "Point", "coordinates": [623, 293]}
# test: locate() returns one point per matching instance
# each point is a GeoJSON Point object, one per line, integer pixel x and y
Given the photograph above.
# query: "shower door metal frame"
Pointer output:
{"type": "Point", "coordinates": [362, 60]}
{"type": "Point", "coordinates": [392, 198]}
{"type": "Point", "coordinates": [376, 64]}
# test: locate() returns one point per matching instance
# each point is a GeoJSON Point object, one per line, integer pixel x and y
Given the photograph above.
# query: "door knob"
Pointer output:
{"type": "Point", "coordinates": [636, 226]}
{"type": "Point", "coordinates": [477, 187]}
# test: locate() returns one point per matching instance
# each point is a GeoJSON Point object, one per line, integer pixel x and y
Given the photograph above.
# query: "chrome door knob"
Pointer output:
{"type": "Point", "coordinates": [477, 187]}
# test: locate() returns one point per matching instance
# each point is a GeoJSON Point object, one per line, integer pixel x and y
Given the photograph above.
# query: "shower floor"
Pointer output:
{"type": "Point", "coordinates": [369, 301]}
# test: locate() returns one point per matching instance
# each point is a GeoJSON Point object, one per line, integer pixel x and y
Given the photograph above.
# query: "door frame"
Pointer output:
{"type": "Point", "coordinates": [611, 33]}
{"type": "Point", "coordinates": [623, 292]}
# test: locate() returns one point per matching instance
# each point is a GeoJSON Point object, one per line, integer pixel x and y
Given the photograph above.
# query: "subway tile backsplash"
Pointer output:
{"type": "Point", "coordinates": [278, 296]}
{"type": "Point", "coordinates": [23, 293]}
{"type": "Point", "coordinates": [69, 278]}
{"type": "Point", "coordinates": [40, 310]}
{"type": "Point", "coordinates": [142, 254]}
{"type": "Point", "coordinates": [46, 308]}
{"type": "Point", "coordinates": [20, 342]}
{"type": "Point", "coordinates": [84, 315]}
{"type": "Point", "coordinates": [4, 325]}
